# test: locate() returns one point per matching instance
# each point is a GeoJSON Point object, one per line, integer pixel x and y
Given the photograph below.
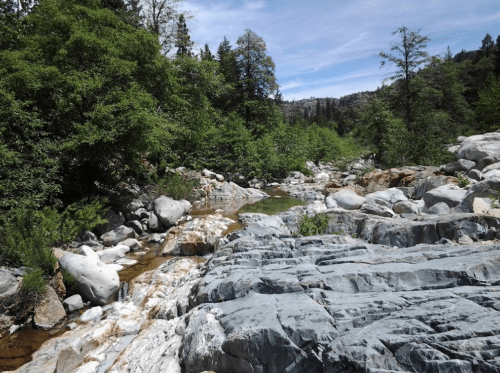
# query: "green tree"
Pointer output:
{"type": "Point", "coordinates": [205, 54]}
{"type": "Point", "coordinates": [487, 44]}
{"type": "Point", "coordinates": [161, 18]}
{"type": "Point", "coordinates": [448, 56]}
{"type": "Point", "coordinates": [183, 41]}
{"type": "Point", "coordinates": [408, 55]}
{"type": "Point", "coordinates": [488, 108]}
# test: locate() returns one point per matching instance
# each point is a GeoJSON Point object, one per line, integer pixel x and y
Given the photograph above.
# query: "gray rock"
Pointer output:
{"type": "Point", "coordinates": [491, 167]}
{"type": "Point", "coordinates": [406, 207]}
{"type": "Point", "coordinates": [392, 195]}
{"type": "Point", "coordinates": [132, 243]}
{"type": "Point", "coordinates": [73, 303]}
{"type": "Point", "coordinates": [462, 165]}
{"type": "Point", "coordinates": [331, 203]}
{"type": "Point", "coordinates": [485, 188]}
{"type": "Point", "coordinates": [49, 311]}
{"type": "Point", "coordinates": [348, 199]}
{"type": "Point", "coordinates": [487, 161]}
{"type": "Point", "coordinates": [450, 194]}
{"type": "Point", "coordinates": [219, 177]}
{"type": "Point", "coordinates": [93, 314]}
{"type": "Point", "coordinates": [154, 224]}
{"type": "Point", "coordinates": [422, 186]}
{"type": "Point", "coordinates": [9, 286]}
{"type": "Point", "coordinates": [113, 254]}
{"type": "Point", "coordinates": [169, 210]}
{"type": "Point", "coordinates": [89, 237]}
{"type": "Point", "coordinates": [439, 209]}
{"type": "Point", "coordinates": [374, 209]}
{"type": "Point", "coordinates": [477, 147]}
{"type": "Point", "coordinates": [229, 190]}
{"type": "Point", "coordinates": [136, 225]}
{"type": "Point", "coordinates": [88, 251]}
{"type": "Point", "coordinates": [134, 205]}
{"type": "Point", "coordinates": [209, 174]}
{"type": "Point", "coordinates": [114, 221]}
{"type": "Point", "coordinates": [491, 174]}
{"type": "Point", "coordinates": [117, 235]}
{"type": "Point", "coordinates": [138, 214]}
{"type": "Point", "coordinates": [95, 281]}
{"type": "Point", "coordinates": [475, 175]}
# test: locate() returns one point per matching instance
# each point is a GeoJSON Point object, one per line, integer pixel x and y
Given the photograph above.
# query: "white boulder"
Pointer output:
{"type": "Point", "coordinates": [169, 210]}
{"type": "Point", "coordinates": [95, 281]}
{"type": "Point", "coordinates": [348, 199]}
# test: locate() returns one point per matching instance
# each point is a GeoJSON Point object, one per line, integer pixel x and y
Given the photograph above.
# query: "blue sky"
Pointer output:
{"type": "Point", "coordinates": [329, 48]}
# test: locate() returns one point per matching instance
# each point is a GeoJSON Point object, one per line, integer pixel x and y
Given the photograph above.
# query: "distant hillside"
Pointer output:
{"type": "Point", "coordinates": [351, 101]}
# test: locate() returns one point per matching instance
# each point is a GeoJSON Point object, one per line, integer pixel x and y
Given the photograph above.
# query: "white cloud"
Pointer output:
{"type": "Point", "coordinates": [315, 42]}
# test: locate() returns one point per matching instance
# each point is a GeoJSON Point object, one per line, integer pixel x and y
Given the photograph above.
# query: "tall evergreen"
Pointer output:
{"type": "Point", "coordinates": [183, 41]}
{"type": "Point", "coordinates": [487, 44]}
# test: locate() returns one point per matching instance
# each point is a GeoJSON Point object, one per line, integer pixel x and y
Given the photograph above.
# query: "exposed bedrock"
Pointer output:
{"type": "Point", "coordinates": [269, 302]}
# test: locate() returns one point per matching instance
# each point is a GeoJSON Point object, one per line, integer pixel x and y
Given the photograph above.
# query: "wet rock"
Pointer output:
{"type": "Point", "coordinates": [49, 311]}
{"type": "Point", "coordinates": [95, 281]}
{"type": "Point", "coordinates": [73, 303]}
{"type": "Point", "coordinates": [348, 199]}
{"type": "Point", "coordinates": [169, 210]}
{"type": "Point", "coordinates": [117, 235]}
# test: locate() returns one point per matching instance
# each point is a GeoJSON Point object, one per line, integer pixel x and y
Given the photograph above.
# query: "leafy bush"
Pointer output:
{"type": "Point", "coordinates": [178, 186]}
{"type": "Point", "coordinates": [315, 225]}
{"type": "Point", "coordinates": [69, 280]}
{"type": "Point", "coordinates": [495, 201]}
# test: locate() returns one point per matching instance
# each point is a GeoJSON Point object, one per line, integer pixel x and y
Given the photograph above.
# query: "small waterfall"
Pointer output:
{"type": "Point", "coordinates": [122, 293]}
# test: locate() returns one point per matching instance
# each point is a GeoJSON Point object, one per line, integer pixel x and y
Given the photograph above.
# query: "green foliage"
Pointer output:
{"type": "Point", "coordinates": [312, 226]}
{"type": "Point", "coordinates": [69, 280]}
{"type": "Point", "coordinates": [462, 180]}
{"type": "Point", "coordinates": [33, 282]}
{"type": "Point", "coordinates": [488, 106]}
{"type": "Point", "coordinates": [28, 237]}
{"type": "Point", "coordinates": [178, 186]}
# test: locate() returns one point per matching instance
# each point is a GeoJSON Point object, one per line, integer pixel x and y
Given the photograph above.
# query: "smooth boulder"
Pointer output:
{"type": "Point", "coordinates": [392, 195]}
{"type": "Point", "coordinates": [477, 147]}
{"type": "Point", "coordinates": [169, 210]}
{"type": "Point", "coordinates": [95, 281]}
{"type": "Point", "coordinates": [117, 235]}
{"type": "Point", "coordinates": [49, 311]}
{"type": "Point", "coordinates": [73, 303]}
{"type": "Point", "coordinates": [348, 199]}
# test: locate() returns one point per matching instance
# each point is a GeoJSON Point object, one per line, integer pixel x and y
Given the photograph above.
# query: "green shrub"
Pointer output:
{"type": "Point", "coordinates": [178, 186]}
{"type": "Point", "coordinates": [495, 201]}
{"type": "Point", "coordinates": [28, 237]}
{"type": "Point", "coordinates": [315, 225]}
{"type": "Point", "coordinates": [462, 180]}
{"type": "Point", "coordinates": [69, 280]}
{"type": "Point", "coordinates": [34, 282]}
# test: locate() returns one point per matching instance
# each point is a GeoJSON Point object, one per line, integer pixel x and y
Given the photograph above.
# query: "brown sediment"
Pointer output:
{"type": "Point", "coordinates": [17, 349]}
{"type": "Point", "coordinates": [148, 262]}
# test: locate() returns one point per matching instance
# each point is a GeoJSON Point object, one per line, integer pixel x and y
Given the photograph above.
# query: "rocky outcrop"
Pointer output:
{"type": "Point", "coordinates": [117, 235]}
{"type": "Point", "coordinates": [9, 286]}
{"type": "Point", "coordinates": [200, 236]}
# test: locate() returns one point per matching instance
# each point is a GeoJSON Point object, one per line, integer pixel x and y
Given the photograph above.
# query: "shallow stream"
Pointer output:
{"type": "Point", "coordinates": [17, 349]}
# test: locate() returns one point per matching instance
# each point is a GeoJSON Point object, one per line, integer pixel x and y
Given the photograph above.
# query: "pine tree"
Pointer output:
{"type": "Point", "coordinates": [486, 45]}
{"type": "Point", "coordinates": [206, 55]}
{"type": "Point", "coordinates": [497, 57]}
{"type": "Point", "coordinates": [448, 56]}
{"type": "Point", "coordinates": [409, 55]}
{"type": "Point", "coordinates": [183, 41]}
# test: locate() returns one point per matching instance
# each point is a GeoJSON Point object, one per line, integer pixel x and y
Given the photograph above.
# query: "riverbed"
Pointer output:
{"type": "Point", "coordinates": [18, 348]}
